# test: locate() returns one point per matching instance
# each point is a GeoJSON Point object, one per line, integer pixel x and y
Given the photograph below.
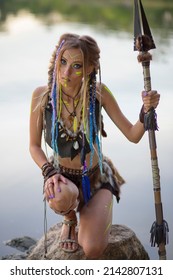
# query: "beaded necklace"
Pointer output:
{"type": "Point", "coordinates": [72, 118]}
{"type": "Point", "coordinates": [67, 133]}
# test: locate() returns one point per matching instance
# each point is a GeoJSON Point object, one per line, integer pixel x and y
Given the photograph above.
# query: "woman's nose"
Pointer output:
{"type": "Point", "coordinates": [67, 70]}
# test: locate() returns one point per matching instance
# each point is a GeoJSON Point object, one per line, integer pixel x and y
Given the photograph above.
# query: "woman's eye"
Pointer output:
{"type": "Point", "coordinates": [77, 66]}
{"type": "Point", "coordinates": [63, 61]}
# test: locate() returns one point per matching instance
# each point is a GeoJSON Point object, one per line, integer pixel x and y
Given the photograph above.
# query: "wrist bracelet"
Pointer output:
{"type": "Point", "coordinates": [142, 114]}
{"type": "Point", "coordinates": [48, 170]}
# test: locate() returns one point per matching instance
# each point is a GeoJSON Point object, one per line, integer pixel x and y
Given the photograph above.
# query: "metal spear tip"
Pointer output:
{"type": "Point", "coordinates": [143, 40]}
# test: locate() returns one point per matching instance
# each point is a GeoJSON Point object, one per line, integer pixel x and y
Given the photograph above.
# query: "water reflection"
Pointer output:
{"type": "Point", "coordinates": [25, 52]}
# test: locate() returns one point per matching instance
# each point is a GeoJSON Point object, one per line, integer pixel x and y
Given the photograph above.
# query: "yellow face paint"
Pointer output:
{"type": "Point", "coordinates": [79, 73]}
{"type": "Point", "coordinates": [65, 82]}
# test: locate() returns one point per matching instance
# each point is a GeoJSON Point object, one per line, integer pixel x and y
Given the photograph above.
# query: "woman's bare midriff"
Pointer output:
{"type": "Point", "coordinates": [76, 162]}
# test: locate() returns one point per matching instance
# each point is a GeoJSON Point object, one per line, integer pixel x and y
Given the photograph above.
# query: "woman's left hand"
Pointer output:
{"type": "Point", "coordinates": [53, 183]}
{"type": "Point", "coordinates": [150, 99]}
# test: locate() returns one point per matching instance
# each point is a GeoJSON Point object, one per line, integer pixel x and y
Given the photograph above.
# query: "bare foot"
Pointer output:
{"type": "Point", "coordinates": [68, 239]}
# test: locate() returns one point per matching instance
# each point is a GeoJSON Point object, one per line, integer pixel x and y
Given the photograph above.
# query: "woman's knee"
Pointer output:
{"type": "Point", "coordinates": [94, 250]}
{"type": "Point", "coordinates": [66, 199]}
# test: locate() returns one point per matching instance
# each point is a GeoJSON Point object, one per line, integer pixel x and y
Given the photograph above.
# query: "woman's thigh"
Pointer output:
{"type": "Point", "coordinates": [96, 220]}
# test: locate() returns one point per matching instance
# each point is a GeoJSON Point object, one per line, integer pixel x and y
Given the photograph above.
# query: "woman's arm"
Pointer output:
{"type": "Point", "coordinates": [36, 127]}
{"type": "Point", "coordinates": [132, 132]}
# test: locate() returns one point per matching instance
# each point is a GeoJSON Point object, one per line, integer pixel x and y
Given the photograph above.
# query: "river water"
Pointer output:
{"type": "Point", "coordinates": [26, 46]}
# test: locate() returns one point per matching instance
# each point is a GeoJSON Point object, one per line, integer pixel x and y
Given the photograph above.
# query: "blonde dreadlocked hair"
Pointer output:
{"type": "Point", "coordinates": [91, 55]}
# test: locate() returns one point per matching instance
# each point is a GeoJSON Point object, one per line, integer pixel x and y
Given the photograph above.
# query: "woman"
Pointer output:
{"type": "Point", "coordinates": [67, 111]}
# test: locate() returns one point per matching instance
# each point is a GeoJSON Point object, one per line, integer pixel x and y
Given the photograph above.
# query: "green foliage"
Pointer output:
{"type": "Point", "coordinates": [112, 14]}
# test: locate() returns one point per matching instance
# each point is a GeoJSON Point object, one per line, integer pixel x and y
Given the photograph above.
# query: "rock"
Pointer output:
{"type": "Point", "coordinates": [21, 243]}
{"type": "Point", "coordinates": [14, 257]}
{"type": "Point", "coordinates": [123, 245]}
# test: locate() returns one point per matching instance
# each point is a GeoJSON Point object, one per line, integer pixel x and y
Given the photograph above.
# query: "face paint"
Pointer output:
{"type": "Point", "coordinates": [73, 56]}
{"type": "Point", "coordinates": [65, 82]}
{"type": "Point", "coordinates": [79, 73]}
{"type": "Point", "coordinates": [71, 68]}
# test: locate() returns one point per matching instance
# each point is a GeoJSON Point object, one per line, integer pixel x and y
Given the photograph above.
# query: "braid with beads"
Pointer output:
{"type": "Point", "coordinates": [92, 117]}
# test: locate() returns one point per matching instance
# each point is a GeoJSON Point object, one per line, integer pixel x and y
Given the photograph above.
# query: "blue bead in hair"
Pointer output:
{"type": "Point", "coordinates": [94, 121]}
{"type": "Point", "coordinates": [54, 129]}
{"type": "Point", "coordinates": [91, 123]}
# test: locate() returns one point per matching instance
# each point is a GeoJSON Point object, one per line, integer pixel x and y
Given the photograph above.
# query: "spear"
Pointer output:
{"type": "Point", "coordinates": [143, 42]}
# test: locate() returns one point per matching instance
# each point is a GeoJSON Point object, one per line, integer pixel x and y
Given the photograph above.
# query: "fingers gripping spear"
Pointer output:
{"type": "Point", "coordinates": [143, 42]}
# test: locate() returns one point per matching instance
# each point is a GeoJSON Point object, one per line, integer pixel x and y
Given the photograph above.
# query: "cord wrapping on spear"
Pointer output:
{"type": "Point", "coordinates": [156, 175]}
{"type": "Point", "coordinates": [150, 120]}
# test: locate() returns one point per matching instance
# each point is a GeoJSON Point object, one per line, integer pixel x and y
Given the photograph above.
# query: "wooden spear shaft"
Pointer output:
{"type": "Point", "coordinates": [144, 58]}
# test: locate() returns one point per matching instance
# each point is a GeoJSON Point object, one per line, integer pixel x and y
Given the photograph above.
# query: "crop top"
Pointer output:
{"type": "Point", "coordinates": [69, 144]}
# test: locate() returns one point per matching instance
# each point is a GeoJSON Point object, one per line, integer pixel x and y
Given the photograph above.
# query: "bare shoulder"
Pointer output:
{"type": "Point", "coordinates": [39, 91]}
{"type": "Point", "coordinates": [105, 93]}
{"type": "Point", "coordinates": [39, 97]}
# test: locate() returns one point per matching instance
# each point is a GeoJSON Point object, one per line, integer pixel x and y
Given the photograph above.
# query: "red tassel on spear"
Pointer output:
{"type": "Point", "coordinates": [143, 42]}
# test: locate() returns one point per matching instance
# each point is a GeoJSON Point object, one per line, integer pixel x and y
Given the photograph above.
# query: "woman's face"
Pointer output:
{"type": "Point", "coordinates": [71, 68]}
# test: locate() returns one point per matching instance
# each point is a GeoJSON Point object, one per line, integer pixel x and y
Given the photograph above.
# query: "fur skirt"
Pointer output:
{"type": "Point", "coordinates": [110, 179]}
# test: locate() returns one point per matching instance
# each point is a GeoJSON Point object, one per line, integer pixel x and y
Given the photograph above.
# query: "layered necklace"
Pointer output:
{"type": "Point", "coordinates": [72, 117]}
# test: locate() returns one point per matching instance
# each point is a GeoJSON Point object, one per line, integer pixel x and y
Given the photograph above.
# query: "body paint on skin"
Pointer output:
{"type": "Point", "coordinates": [108, 90]}
{"type": "Point", "coordinates": [73, 56]}
{"type": "Point", "coordinates": [109, 207]}
{"type": "Point", "coordinates": [65, 82]}
{"type": "Point", "coordinates": [107, 228]}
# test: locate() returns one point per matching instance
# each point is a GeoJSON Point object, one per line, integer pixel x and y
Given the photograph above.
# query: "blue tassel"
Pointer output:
{"type": "Point", "coordinates": [86, 188]}
{"type": "Point", "coordinates": [85, 183]}
{"type": "Point", "coordinates": [91, 123]}
{"type": "Point", "coordinates": [53, 129]}
{"type": "Point", "coordinates": [100, 154]}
